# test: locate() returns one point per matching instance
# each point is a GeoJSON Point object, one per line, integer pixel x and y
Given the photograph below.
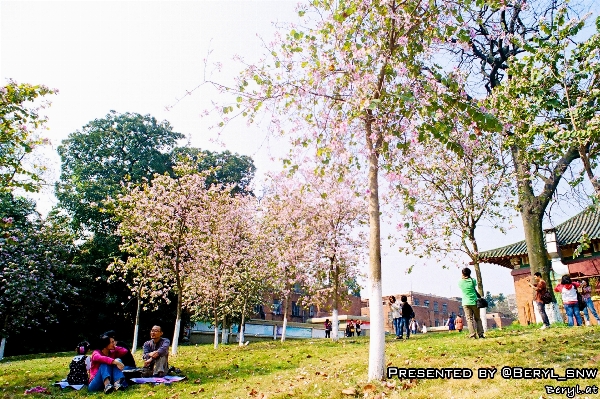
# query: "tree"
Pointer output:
{"type": "Point", "coordinates": [289, 238]}
{"type": "Point", "coordinates": [19, 121]}
{"type": "Point", "coordinates": [107, 153]}
{"type": "Point", "coordinates": [227, 168]}
{"type": "Point", "coordinates": [495, 37]}
{"type": "Point", "coordinates": [337, 213]}
{"type": "Point", "coordinates": [159, 223]}
{"type": "Point", "coordinates": [343, 82]}
{"type": "Point", "coordinates": [447, 195]}
{"type": "Point", "coordinates": [32, 290]}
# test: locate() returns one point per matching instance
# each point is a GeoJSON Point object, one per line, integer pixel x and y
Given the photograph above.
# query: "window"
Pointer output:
{"type": "Point", "coordinates": [276, 306]}
{"type": "Point", "coordinates": [437, 323]}
{"type": "Point", "coordinates": [311, 311]}
{"type": "Point", "coordinates": [416, 301]}
{"type": "Point", "coordinates": [435, 306]}
{"type": "Point", "coordinates": [444, 308]}
{"type": "Point", "coordinates": [295, 309]}
{"type": "Point", "coordinates": [426, 304]}
{"type": "Point", "coordinates": [258, 309]}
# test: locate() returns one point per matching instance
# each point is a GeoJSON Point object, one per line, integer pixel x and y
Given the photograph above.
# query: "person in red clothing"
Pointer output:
{"type": "Point", "coordinates": [568, 290]}
{"type": "Point", "coordinates": [106, 371]}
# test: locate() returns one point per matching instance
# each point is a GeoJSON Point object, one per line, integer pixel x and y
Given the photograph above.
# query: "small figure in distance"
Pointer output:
{"type": "Point", "coordinates": [357, 326]}
{"type": "Point", "coordinates": [568, 291]}
{"type": "Point", "coordinates": [450, 323]}
{"type": "Point", "coordinates": [540, 287]}
{"type": "Point", "coordinates": [458, 323]}
{"type": "Point", "coordinates": [327, 328]}
{"type": "Point", "coordinates": [156, 354]}
{"type": "Point", "coordinates": [395, 310]}
{"type": "Point", "coordinates": [105, 372]}
{"type": "Point", "coordinates": [469, 303]}
{"type": "Point", "coordinates": [413, 326]}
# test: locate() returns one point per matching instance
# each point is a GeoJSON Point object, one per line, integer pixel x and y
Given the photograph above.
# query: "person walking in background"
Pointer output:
{"type": "Point", "coordinates": [586, 294]}
{"type": "Point", "coordinates": [450, 322]}
{"type": "Point", "coordinates": [407, 315]}
{"type": "Point", "coordinates": [469, 302]}
{"type": "Point", "coordinates": [568, 291]}
{"type": "Point", "coordinates": [540, 287]}
{"type": "Point", "coordinates": [458, 323]}
{"type": "Point", "coordinates": [413, 326]}
{"type": "Point", "coordinates": [395, 310]}
{"type": "Point", "coordinates": [327, 328]}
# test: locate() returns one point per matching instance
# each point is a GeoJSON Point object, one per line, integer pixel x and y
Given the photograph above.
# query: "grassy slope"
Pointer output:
{"type": "Point", "coordinates": [322, 369]}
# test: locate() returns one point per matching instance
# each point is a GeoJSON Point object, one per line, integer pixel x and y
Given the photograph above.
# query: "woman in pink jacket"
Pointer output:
{"type": "Point", "coordinates": [568, 291]}
{"type": "Point", "coordinates": [106, 371]}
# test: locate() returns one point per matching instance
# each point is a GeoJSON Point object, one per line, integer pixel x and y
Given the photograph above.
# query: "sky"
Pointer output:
{"type": "Point", "coordinates": [144, 57]}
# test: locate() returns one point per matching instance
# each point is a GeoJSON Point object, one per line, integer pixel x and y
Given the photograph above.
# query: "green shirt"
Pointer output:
{"type": "Point", "coordinates": [467, 286]}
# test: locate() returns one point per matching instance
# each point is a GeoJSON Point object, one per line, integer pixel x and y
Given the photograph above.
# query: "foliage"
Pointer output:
{"type": "Point", "coordinates": [32, 267]}
{"type": "Point", "coordinates": [226, 168]}
{"type": "Point", "coordinates": [19, 121]}
{"type": "Point", "coordinates": [103, 156]}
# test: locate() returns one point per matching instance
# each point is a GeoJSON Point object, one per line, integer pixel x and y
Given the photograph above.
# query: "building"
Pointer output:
{"type": "Point", "coordinates": [561, 243]}
{"type": "Point", "coordinates": [430, 310]}
{"type": "Point", "coordinates": [272, 309]}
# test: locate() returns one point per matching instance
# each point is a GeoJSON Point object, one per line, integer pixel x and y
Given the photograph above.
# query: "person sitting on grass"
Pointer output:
{"type": "Point", "coordinates": [156, 354]}
{"type": "Point", "coordinates": [106, 372]}
{"type": "Point", "coordinates": [121, 351]}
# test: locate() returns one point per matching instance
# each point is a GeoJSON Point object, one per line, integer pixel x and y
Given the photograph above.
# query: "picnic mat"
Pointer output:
{"type": "Point", "coordinates": [168, 379]}
{"type": "Point", "coordinates": [64, 384]}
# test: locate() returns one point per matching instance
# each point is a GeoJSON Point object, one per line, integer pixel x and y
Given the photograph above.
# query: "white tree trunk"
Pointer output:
{"type": "Point", "coordinates": [483, 316]}
{"type": "Point", "coordinates": [216, 339]}
{"type": "Point", "coordinates": [283, 327]}
{"type": "Point", "coordinates": [2, 346]}
{"type": "Point", "coordinates": [241, 332]}
{"type": "Point", "coordinates": [175, 343]}
{"type": "Point", "coordinates": [225, 336]}
{"type": "Point", "coordinates": [377, 338]}
{"type": "Point", "coordinates": [335, 326]}
{"type": "Point", "coordinates": [136, 328]}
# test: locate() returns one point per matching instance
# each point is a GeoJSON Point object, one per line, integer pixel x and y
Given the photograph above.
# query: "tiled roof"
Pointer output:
{"type": "Point", "coordinates": [567, 233]}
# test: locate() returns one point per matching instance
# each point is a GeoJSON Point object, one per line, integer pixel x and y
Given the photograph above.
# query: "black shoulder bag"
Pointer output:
{"type": "Point", "coordinates": [481, 302]}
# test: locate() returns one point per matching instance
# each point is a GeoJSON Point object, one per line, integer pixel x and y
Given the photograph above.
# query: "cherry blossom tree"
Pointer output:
{"type": "Point", "coordinates": [159, 223]}
{"type": "Point", "coordinates": [289, 238]}
{"type": "Point", "coordinates": [339, 242]}
{"type": "Point", "coordinates": [225, 258]}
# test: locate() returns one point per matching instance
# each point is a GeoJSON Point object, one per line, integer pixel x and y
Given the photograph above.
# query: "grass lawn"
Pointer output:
{"type": "Point", "coordinates": [323, 369]}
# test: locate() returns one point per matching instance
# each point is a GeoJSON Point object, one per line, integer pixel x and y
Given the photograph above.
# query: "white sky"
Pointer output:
{"type": "Point", "coordinates": [142, 56]}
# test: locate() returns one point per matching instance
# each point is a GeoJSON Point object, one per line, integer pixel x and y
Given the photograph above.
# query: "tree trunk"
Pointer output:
{"type": "Point", "coordinates": [536, 243]}
{"type": "Point", "coordinates": [225, 332]}
{"type": "Point", "coordinates": [242, 325]}
{"type": "Point", "coordinates": [136, 328]}
{"type": "Point", "coordinates": [335, 326]}
{"type": "Point", "coordinates": [2, 346]}
{"type": "Point", "coordinates": [216, 338]}
{"type": "Point", "coordinates": [285, 310]}
{"type": "Point", "coordinates": [175, 342]}
{"type": "Point", "coordinates": [377, 339]}
{"type": "Point", "coordinates": [482, 312]}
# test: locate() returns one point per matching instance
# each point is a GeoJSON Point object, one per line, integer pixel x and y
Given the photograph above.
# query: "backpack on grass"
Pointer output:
{"type": "Point", "coordinates": [78, 374]}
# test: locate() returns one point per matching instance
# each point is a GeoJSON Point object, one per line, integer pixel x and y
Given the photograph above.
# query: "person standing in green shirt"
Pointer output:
{"type": "Point", "coordinates": [469, 304]}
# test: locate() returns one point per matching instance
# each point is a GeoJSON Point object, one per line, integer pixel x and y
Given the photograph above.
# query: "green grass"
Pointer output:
{"type": "Point", "coordinates": [323, 369]}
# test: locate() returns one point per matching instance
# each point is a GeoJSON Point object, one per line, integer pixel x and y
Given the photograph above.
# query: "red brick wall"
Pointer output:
{"type": "Point", "coordinates": [524, 295]}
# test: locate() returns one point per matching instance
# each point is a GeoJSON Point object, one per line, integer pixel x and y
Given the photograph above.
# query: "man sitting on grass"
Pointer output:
{"type": "Point", "coordinates": [156, 354]}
